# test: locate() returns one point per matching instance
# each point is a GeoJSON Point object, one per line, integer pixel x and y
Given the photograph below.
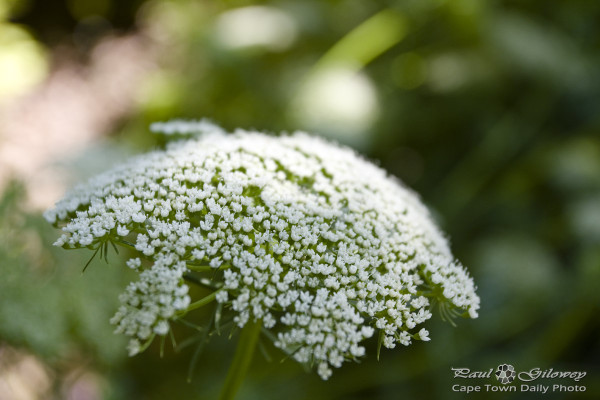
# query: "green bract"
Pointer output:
{"type": "Point", "coordinates": [315, 243]}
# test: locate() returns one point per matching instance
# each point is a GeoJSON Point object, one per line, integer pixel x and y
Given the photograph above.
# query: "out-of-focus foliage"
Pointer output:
{"type": "Point", "coordinates": [22, 59]}
{"type": "Point", "coordinates": [488, 109]}
{"type": "Point", "coordinates": [46, 307]}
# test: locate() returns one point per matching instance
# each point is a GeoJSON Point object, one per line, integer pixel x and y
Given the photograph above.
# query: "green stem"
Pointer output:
{"type": "Point", "coordinates": [200, 268]}
{"type": "Point", "coordinates": [205, 283]}
{"type": "Point", "coordinates": [204, 268]}
{"type": "Point", "coordinates": [241, 360]}
{"type": "Point", "coordinates": [203, 301]}
{"type": "Point", "coordinates": [197, 304]}
{"type": "Point", "coordinates": [125, 243]}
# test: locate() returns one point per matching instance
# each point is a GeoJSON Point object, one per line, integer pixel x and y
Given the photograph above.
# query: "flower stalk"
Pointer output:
{"type": "Point", "coordinates": [241, 360]}
{"type": "Point", "coordinates": [203, 301]}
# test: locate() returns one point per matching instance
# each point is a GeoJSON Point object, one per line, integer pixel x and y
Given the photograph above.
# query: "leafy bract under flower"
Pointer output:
{"type": "Point", "coordinates": [318, 244]}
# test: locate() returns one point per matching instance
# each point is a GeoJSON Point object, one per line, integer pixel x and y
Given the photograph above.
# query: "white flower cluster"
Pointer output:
{"type": "Point", "coordinates": [185, 127]}
{"type": "Point", "coordinates": [155, 298]}
{"type": "Point", "coordinates": [318, 244]}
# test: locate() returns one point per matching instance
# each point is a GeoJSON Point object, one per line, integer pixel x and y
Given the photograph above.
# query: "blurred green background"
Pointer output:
{"type": "Point", "coordinates": [489, 109]}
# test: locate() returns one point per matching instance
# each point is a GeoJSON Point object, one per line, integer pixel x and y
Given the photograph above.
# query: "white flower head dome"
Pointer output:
{"type": "Point", "coordinates": [320, 246]}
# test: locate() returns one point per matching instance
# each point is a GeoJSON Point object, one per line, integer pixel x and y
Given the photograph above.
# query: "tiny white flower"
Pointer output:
{"type": "Point", "coordinates": [162, 328]}
{"type": "Point", "coordinates": [134, 263]}
{"type": "Point", "coordinates": [134, 347]}
{"type": "Point", "coordinates": [222, 296]}
{"type": "Point", "coordinates": [324, 371]}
